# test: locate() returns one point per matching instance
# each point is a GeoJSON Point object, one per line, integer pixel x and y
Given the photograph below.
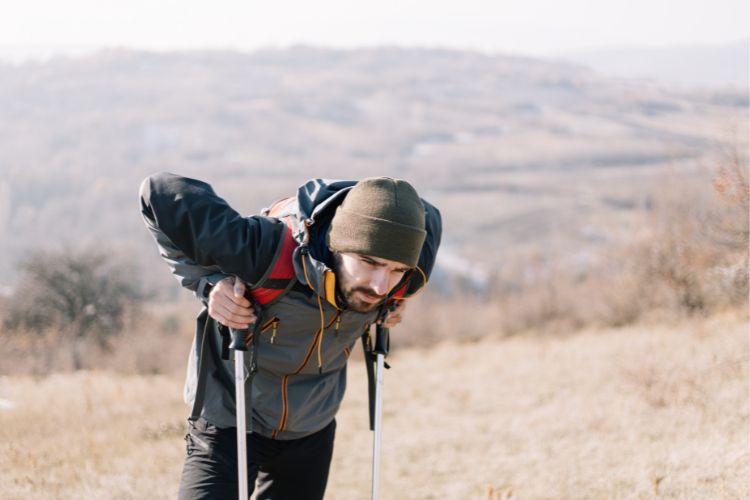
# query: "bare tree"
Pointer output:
{"type": "Point", "coordinates": [85, 296]}
{"type": "Point", "coordinates": [732, 227]}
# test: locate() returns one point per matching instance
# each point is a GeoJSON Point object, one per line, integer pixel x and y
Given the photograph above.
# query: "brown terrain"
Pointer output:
{"type": "Point", "coordinates": [648, 411]}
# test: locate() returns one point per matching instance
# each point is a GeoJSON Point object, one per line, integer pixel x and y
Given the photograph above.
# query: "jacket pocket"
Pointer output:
{"type": "Point", "coordinates": [270, 329]}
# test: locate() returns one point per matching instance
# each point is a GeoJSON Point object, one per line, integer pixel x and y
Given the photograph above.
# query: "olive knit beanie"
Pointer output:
{"type": "Point", "coordinates": [380, 217]}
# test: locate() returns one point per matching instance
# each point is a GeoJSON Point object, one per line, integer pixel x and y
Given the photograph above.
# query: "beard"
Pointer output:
{"type": "Point", "coordinates": [352, 296]}
{"type": "Point", "coordinates": [354, 301]}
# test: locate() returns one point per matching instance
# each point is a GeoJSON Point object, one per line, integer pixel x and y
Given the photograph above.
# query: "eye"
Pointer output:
{"type": "Point", "coordinates": [398, 272]}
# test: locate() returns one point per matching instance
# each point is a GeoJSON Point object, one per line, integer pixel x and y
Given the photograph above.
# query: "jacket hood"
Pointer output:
{"type": "Point", "coordinates": [317, 196]}
{"type": "Point", "coordinates": [314, 206]}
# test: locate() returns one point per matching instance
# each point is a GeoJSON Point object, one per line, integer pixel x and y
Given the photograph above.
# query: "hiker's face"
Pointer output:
{"type": "Point", "coordinates": [365, 281]}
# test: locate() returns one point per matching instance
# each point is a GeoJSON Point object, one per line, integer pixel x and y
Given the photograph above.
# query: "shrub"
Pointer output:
{"type": "Point", "coordinates": [77, 297]}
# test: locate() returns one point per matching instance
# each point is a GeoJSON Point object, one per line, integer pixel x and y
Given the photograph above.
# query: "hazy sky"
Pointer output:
{"type": "Point", "coordinates": [522, 26]}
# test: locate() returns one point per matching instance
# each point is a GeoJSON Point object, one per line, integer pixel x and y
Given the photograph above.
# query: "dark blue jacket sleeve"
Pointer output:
{"type": "Point", "coordinates": [186, 214]}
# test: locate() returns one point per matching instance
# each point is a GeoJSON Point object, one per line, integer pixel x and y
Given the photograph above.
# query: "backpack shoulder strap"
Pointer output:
{"type": "Point", "coordinates": [280, 277]}
{"type": "Point", "coordinates": [200, 388]}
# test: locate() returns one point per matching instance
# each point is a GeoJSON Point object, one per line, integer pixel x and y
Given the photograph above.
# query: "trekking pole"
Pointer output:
{"type": "Point", "coordinates": [238, 344]}
{"type": "Point", "coordinates": [382, 344]}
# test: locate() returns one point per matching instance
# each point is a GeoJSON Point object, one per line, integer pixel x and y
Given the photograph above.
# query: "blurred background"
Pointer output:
{"type": "Point", "coordinates": [590, 160]}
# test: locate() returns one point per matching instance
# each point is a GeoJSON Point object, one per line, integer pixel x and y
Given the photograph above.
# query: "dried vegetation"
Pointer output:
{"type": "Point", "coordinates": [635, 412]}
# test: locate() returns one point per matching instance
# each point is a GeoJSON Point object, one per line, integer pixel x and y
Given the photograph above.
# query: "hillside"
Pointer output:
{"type": "Point", "coordinates": [641, 412]}
{"type": "Point", "coordinates": [705, 65]}
{"type": "Point", "coordinates": [520, 154]}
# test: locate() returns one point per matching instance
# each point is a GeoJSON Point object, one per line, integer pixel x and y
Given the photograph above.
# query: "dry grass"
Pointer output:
{"type": "Point", "coordinates": [91, 435]}
{"type": "Point", "coordinates": [639, 412]}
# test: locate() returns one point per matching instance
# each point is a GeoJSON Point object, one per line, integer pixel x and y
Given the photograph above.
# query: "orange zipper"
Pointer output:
{"type": "Point", "coordinates": [285, 379]}
{"type": "Point", "coordinates": [271, 322]}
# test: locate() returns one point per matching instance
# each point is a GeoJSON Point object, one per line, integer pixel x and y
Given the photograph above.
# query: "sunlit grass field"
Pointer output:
{"type": "Point", "coordinates": [648, 411]}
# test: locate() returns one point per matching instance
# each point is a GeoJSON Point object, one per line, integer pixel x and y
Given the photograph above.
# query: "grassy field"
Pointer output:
{"type": "Point", "coordinates": [651, 411]}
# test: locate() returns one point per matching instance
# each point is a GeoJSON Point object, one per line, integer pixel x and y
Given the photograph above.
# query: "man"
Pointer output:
{"type": "Point", "coordinates": [354, 246]}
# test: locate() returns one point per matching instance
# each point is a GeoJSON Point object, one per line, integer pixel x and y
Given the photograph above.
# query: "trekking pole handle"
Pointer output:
{"type": "Point", "coordinates": [382, 340]}
{"type": "Point", "coordinates": [382, 334]}
{"type": "Point", "coordinates": [237, 339]}
{"type": "Point", "coordinates": [238, 336]}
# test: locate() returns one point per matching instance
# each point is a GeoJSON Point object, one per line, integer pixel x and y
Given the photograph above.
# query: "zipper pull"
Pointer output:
{"type": "Point", "coordinates": [338, 324]}
{"type": "Point", "coordinates": [274, 325]}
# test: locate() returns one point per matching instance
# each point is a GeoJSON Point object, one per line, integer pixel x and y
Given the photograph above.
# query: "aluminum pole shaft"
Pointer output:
{"type": "Point", "coordinates": [239, 397]}
{"type": "Point", "coordinates": [378, 425]}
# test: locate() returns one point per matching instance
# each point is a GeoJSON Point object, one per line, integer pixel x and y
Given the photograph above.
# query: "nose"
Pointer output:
{"type": "Point", "coordinates": [379, 282]}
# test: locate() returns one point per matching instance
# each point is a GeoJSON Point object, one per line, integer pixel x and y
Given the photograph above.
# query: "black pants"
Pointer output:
{"type": "Point", "coordinates": [286, 469]}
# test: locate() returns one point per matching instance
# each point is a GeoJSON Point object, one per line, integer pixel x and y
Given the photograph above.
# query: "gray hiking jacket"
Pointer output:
{"type": "Point", "coordinates": [301, 375]}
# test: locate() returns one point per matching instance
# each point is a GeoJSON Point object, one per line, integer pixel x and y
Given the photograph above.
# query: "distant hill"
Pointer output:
{"type": "Point", "coordinates": [714, 65]}
{"type": "Point", "coordinates": [520, 154]}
